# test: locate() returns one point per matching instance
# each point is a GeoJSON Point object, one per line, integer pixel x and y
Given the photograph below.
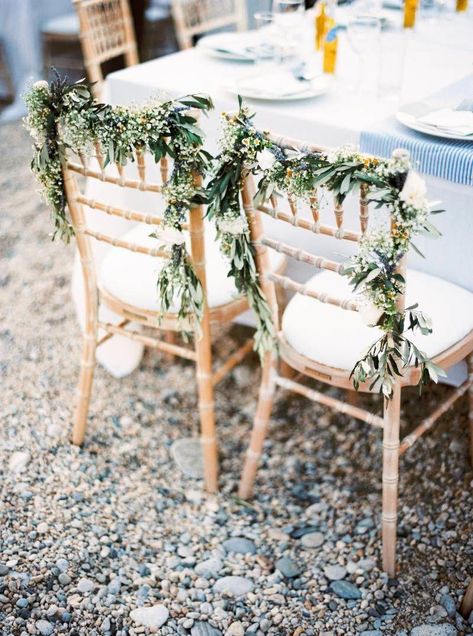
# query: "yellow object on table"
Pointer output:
{"type": "Point", "coordinates": [321, 24]}
{"type": "Point", "coordinates": [330, 50]}
{"type": "Point", "coordinates": [410, 8]}
{"type": "Point", "coordinates": [462, 5]}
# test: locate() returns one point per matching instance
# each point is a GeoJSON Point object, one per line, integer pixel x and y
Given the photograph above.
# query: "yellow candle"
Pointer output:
{"type": "Point", "coordinates": [410, 8]}
{"type": "Point", "coordinates": [330, 51]}
{"type": "Point", "coordinates": [462, 5]}
{"type": "Point", "coordinates": [321, 26]}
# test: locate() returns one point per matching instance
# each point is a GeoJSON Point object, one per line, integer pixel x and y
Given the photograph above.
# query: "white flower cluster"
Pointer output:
{"type": "Point", "coordinates": [343, 153]}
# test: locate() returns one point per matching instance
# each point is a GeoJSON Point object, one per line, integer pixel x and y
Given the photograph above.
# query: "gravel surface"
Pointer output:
{"type": "Point", "coordinates": [115, 539]}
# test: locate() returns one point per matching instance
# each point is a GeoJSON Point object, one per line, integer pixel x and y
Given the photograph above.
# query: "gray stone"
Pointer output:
{"type": "Point", "coordinates": [235, 629]}
{"type": "Point", "coordinates": [62, 564]}
{"type": "Point", "coordinates": [4, 570]}
{"type": "Point", "coordinates": [64, 579]}
{"type": "Point", "coordinates": [209, 568]}
{"type": "Point", "coordinates": [187, 454]}
{"type": "Point", "coordinates": [443, 629]}
{"type": "Point", "coordinates": [202, 628]}
{"type": "Point", "coordinates": [154, 616]}
{"type": "Point", "coordinates": [335, 572]}
{"type": "Point", "coordinates": [45, 628]}
{"type": "Point", "coordinates": [366, 564]}
{"type": "Point", "coordinates": [19, 460]}
{"type": "Point", "coordinates": [449, 604]}
{"type": "Point", "coordinates": [234, 585]}
{"type": "Point", "coordinates": [85, 586]}
{"type": "Point", "coordinates": [115, 585]}
{"type": "Point", "coordinates": [288, 567]}
{"type": "Point", "coordinates": [22, 603]}
{"type": "Point", "coordinates": [346, 590]}
{"type": "Point", "coordinates": [312, 540]}
{"type": "Point", "coordinates": [106, 625]}
{"type": "Point", "coordinates": [371, 632]}
{"type": "Point", "coordinates": [240, 545]}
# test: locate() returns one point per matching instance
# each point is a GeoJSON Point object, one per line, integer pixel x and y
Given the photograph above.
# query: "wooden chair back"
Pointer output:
{"type": "Point", "coordinates": [194, 17]}
{"type": "Point", "coordinates": [106, 32]}
{"type": "Point", "coordinates": [316, 225]}
{"type": "Point", "coordinates": [114, 175]}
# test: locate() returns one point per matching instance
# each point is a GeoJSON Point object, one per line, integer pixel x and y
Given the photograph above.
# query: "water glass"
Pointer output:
{"type": "Point", "coordinates": [392, 55]}
{"type": "Point", "coordinates": [363, 32]}
{"type": "Point", "coordinates": [266, 49]}
{"type": "Point", "coordinates": [289, 19]}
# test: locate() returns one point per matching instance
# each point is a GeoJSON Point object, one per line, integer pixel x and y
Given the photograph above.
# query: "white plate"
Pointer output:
{"type": "Point", "coordinates": [227, 45]}
{"type": "Point", "coordinates": [408, 115]}
{"type": "Point", "coordinates": [318, 86]}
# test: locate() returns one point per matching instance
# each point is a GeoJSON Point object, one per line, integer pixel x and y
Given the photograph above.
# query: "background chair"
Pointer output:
{"type": "Point", "coordinates": [322, 336]}
{"type": "Point", "coordinates": [195, 17]}
{"type": "Point", "coordinates": [106, 33]}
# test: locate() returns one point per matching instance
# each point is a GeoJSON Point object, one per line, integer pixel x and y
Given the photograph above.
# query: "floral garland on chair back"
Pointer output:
{"type": "Point", "coordinates": [372, 272]}
{"type": "Point", "coordinates": [63, 116]}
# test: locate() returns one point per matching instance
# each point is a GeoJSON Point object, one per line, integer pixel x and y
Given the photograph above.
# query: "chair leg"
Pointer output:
{"type": "Point", "coordinates": [260, 426]}
{"type": "Point", "coordinates": [84, 388]}
{"type": "Point", "coordinates": [470, 404]}
{"type": "Point", "coordinates": [207, 413]}
{"type": "Point", "coordinates": [171, 338]}
{"type": "Point", "coordinates": [390, 479]}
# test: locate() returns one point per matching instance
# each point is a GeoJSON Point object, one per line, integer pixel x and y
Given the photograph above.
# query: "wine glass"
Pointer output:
{"type": "Point", "coordinates": [266, 49]}
{"type": "Point", "coordinates": [289, 19]}
{"type": "Point", "coordinates": [363, 32]}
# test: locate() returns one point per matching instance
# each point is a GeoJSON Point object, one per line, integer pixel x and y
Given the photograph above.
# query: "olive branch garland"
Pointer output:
{"type": "Point", "coordinates": [63, 116]}
{"type": "Point", "coordinates": [372, 272]}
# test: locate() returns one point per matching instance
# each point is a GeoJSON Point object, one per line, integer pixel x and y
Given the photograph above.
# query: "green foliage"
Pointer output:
{"type": "Point", "coordinates": [65, 117]}
{"type": "Point", "coordinates": [373, 272]}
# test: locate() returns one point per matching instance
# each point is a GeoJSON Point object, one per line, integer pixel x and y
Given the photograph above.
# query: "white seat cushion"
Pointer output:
{"type": "Point", "coordinates": [339, 338]}
{"type": "Point", "coordinates": [132, 277]}
{"type": "Point", "coordinates": [62, 25]}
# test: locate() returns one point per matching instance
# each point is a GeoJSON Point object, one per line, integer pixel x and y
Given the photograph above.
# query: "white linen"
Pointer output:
{"type": "Point", "coordinates": [339, 338]}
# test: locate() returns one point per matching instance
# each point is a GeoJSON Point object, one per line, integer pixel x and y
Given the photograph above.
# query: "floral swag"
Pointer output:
{"type": "Point", "coordinates": [372, 272]}
{"type": "Point", "coordinates": [64, 117]}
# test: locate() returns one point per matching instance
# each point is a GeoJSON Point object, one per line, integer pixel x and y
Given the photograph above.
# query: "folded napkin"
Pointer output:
{"type": "Point", "coordinates": [459, 122]}
{"type": "Point", "coordinates": [273, 84]}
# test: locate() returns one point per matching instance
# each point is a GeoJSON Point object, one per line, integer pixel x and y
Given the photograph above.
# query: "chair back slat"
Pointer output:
{"type": "Point", "coordinates": [195, 17]}
{"type": "Point", "coordinates": [129, 215]}
{"type": "Point", "coordinates": [106, 32]}
{"type": "Point", "coordinates": [315, 227]}
{"type": "Point", "coordinates": [131, 247]}
{"type": "Point", "coordinates": [313, 224]}
{"type": "Point", "coordinates": [123, 181]}
{"type": "Point", "coordinates": [287, 283]}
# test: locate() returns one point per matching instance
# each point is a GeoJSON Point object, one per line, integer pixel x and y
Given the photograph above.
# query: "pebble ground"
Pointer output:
{"type": "Point", "coordinates": [89, 536]}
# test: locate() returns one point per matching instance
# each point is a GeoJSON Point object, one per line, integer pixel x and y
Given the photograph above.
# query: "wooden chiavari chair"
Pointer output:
{"type": "Point", "coordinates": [106, 32]}
{"type": "Point", "coordinates": [322, 337]}
{"type": "Point", "coordinates": [195, 17]}
{"type": "Point", "coordinates": [126, 284]}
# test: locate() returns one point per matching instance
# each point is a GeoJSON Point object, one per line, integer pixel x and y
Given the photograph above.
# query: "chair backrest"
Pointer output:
{"type": "Point", "coordinates": [106, 32]}
{"type": "Point", "coordinates": [313, 225]}
{"type": "Point", "coordinates": [94, 168]}
{"type": "Point", "coordinates": [194, 17]}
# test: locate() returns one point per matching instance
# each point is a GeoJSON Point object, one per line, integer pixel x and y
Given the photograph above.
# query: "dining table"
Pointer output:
{"type": "Point", "coordinates": [437, 60]}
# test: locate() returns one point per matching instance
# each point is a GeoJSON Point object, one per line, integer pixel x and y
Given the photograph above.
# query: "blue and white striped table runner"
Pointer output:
{"type": "Point", "coordinates": [446, 158]}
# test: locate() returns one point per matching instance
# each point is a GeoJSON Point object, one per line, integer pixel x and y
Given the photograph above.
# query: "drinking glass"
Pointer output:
{"type": "Point", "coordinates": [289, 19]}
{"type": "Point", "coordinates": [392, 54]}
{"type": "Point", "coordinates": [266, 49]}
{"type": "Point", "coordinates": [363, 33]}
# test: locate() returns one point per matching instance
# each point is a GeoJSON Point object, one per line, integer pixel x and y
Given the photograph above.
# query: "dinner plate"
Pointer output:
{"type": "Point", "coordinates": [248, 87]}
{"type": "Point", "coordinates": [237, 47]}
{"type": "Point", "coordinates": [408, 116]}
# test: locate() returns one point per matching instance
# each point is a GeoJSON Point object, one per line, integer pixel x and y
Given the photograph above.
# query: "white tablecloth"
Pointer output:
{"type": "Point", "coordinates": [433, 61]}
